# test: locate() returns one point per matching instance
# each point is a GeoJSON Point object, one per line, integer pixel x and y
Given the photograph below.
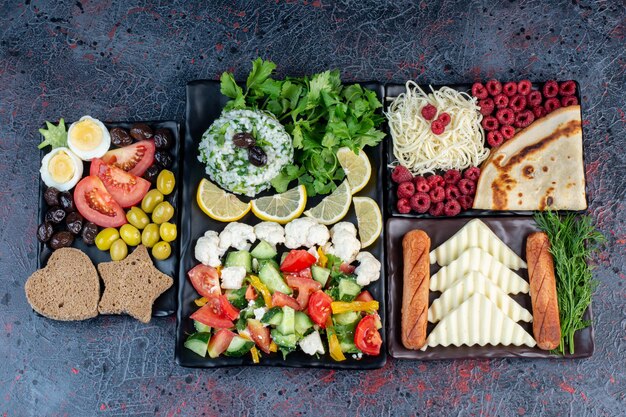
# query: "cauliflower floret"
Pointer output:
{"type": "Point", "coordinates": [208, 250]}
{"type": "Point", "coordinates": [312, 344]}
{"type": "Point", "coordinates": [343, 228]}
{"type": "Point", "coordinates": [318, 235]}
{"type": "Point", "coordinates": [232, 277]}
{"type": "Point", "coordinates": [271, 232]}
{"type": "Point", "coordinates": [368, 270]}
{"type": "Point", "coordinates": [305, 232]}
{"type": "Point", "coordinates": [237, 235]}
{"type": "Point", "coordinates": [345, 245]}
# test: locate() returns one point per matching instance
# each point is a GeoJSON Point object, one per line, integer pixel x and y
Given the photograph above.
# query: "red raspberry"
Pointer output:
{"type": "Point", "coordinates": [472, 174]}
{"type": "Point", "coordinates": [505, 116]}
{"type": "Point", "coordinates": [437, 194]}
{"type": "Point", "coordinates": [444, 118]}
{"type": "Point", "coordinates": [539, 112]}
{"type": "Point", "coordinates": [508, 132]}
{"type": "Point", "coordinates": [467, 187]}
{"type": "Point", "coordinates": [437, 127]}
{"type": "Point", "coordinates": [534, 98]}
{"type": "Point", "coordinates": [429, 111]}
{"type": "Point", "coordinates": [567, 88]}
{"type": "Point", "coordinates": [486, 106]}
{"type": "Point", "coordinates": [466, 202]}
{"type": "Point", "coordinates": [495, 138]}
{"type": "Point", "coordinates": [400, 174]}
{"type": "Point", "coordinates": [421, 185]}
{"type": "Point", "coordinates": [490, 123]}
{"type": "Point", "coordinates": [494, 87]}
{"type": "Point", "coordinates": [510, 88]}
{"type": "Point", "coordinates": [435, 180]}
{"type": "Point", "coordinates": [501, 101]}
{"type": "Point", "coordinates": [569, 101]}
{"type": "Point", "coordinates": [524, 87]}
{"type": "Point", "coordinates": [436, 209]}
{"type": "Point", "coordinates": [479, 91]}
{"type": "Point", "coordinates": [452, 176]}
{"type": "Point", "coordinates": [451, 208]}
{"type": "Point", "coordinates": [420, 202]}
{"type": "Point", "coordinates": [452, 192]}
{"type": "Point", "coordinates": [517, 103]}
{"type": "Point", "coordinates": [550, 88]}
{"type": "Point", "coordinates": [524, 118]}
{"type": "Point", "coordinates": [406, 190]}
{"type": "Point", "coordinates": [403, 206]}
{"type": "Point", "coordinates": [552, 104]}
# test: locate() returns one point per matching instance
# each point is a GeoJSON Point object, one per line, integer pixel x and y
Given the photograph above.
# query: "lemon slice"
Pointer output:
{"type": "Point", "coordinates": [333, 207]}
{"type": "Point", "coordinates": [357, 168]}
{"type": "Point", "coordinates": [281, 208]}
{"type": "Point", "coordinates": [369, 218]}
{"type": "Point", "coordinates": [218, 204]}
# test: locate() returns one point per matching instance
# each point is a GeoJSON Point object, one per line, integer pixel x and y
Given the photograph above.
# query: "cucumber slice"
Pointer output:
{"type": "Point", "coordinates": [239, 258]}
{"type": "Point", "coordinates": [283, 256]}
{"type": "Point", "coordinates": [348, 346]}
{"type": "Point", "coordinates": [270, 276]}
{"type": "Point", "coordinates": [201, 327]}
{"type": "Point", "coordinates": [285, 341]}
{"type": "Point", "coordinates": [239, 347]}
{"type": "Point", "coordinates": [237, 297]}
{"type": "Point", "coordinates": [264, 250]}
{"type": "Point", "coordinates": [287, 324]}
{"type": "Point", "coordinates": [262, 263]}
{"type": "Point", "coordinates": [273, 316]}
{"type": "Point", "coordinates": [198, 343]}
{"type": "Point", "coordinates": [320, 274]}
{"type": "Point", "coordinates": [302, 323]}
{"type": "Point", "coordinates": [348, 289]}
{"type": "Point", "coordinates": [347, 318]}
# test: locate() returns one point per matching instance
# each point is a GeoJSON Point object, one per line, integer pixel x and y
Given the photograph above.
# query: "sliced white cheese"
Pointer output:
{"type": "Point", "coordinates": [312, 344]}
{"type": "Point", "coordinates": [476, 283]}
{"type": "Point", "coordinates": [478, 321]}
{"type": "Point", "coordinates": [476, 259]}
{"type": "Point", "coordinates": [476, 234]}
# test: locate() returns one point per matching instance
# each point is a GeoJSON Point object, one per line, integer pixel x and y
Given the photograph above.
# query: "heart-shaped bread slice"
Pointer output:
{"type": "Point", "coordinates": [68, 288]}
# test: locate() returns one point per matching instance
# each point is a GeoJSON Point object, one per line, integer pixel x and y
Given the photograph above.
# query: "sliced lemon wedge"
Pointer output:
{"type": "Point", "coordinates": [369, 219]}
{"type": "Point", "coordinates": [356, 166]}
{"type": "Point", "coordinates": [281, 208]}
{"type": "Point", "coordinates": [333, 207]}
{"type": "Point", "coordinates": [219, 204]}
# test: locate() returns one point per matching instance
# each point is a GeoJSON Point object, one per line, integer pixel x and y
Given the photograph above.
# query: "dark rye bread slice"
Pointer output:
{"type": "Point", "coordinates": [132, 285]}
{"type": "Point", "coordinates": [68, 288]}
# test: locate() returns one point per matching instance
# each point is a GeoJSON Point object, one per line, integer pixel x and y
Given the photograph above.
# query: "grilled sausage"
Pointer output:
{"type": "Point", "coordinates": [416, 280]}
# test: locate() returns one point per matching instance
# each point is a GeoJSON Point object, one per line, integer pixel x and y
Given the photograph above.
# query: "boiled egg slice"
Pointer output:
{"type": "Point", "coordinates": [61, 169]}
{"type": "Point", "coordinates": [88, 138]}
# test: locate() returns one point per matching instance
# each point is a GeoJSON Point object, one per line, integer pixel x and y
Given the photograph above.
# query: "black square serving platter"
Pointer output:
{"type": "Point", "coordinates": [204, 105]}
{"type": "Point", "coordinates": [165, 305]}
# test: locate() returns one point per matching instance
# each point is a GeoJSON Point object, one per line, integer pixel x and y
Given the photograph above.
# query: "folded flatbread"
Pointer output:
{"type": "Point", "coordinates": [540, 168]}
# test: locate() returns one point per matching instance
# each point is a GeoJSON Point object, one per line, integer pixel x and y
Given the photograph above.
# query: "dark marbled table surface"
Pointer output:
{"type": "Point", "coordinates": [121, 60]}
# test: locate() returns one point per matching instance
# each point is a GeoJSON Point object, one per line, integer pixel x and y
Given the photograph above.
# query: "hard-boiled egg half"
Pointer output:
{"type": "Point", "coordinates": [61, 169]}
{"type": "Point", "coordinates": [88, 138]}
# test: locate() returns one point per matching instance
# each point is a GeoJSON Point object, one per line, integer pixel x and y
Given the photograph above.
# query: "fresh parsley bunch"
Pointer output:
{"type": "Point", "coordinates": [321, 114]}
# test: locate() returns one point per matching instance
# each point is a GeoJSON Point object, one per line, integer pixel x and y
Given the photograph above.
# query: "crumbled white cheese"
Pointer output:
{"type": "Point", "coordinates": [208, 250]}
{"type": "Point", "coordinates": [305, 232]}
{"type": "Point", "coordinates": [313, 251]}
{"type": "Point", "coordinates": [237, 235]}
{"type": "Point", "coordinates": [232, 277]}
{"type": "Point", "coordinates": [312, 344]}
{"type": "Point", "coordinates": [259, 312]}
{"type": "Point", "coordinates": [368, 270]}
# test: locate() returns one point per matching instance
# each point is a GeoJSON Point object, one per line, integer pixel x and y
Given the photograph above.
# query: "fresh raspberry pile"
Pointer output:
{"type": "Point", "coordinates": [438, 125]}
{"type": "Point", "coordinates": [436, 195]}
{"type": "Point", "coordinates": [512, 106]}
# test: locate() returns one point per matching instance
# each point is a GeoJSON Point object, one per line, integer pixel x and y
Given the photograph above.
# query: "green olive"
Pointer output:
{"type": "Point", "coordinates": [161, 250]}
{"type": "Point", "coordinates": [150, 235]}
{"type": "Point", "coordinates": [106, 237]}
{"type": "Point", "coordinates": [130, 235]}
{"type": "Point", "coordinates": [151, 200]}
{"type": "Point", "coordinates": [165, 182]}
{"type": "Point", "coordinates": [137, 217]}
{"type": "Point", "coordinates": [162, 213]}
{"type": "Point", "coordinates": [168, 231]}
{"type": "Point", "coordinates": [119, 250]}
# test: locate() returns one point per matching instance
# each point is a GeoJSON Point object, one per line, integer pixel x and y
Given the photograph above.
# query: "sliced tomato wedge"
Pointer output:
{"type": "Point", "coordinates": [347, 268]}
{"type": "Point", "coordinates": [319, 308]}
{"type": "Point", "coordinates": [250, 293]}
{"type": "Point", "coordinates": [260, 335]}
{"type": "Point", "coordinates": [304, 286]}
{"type": "Point", "coordinates": [127, 189]}
{"type": "Point", "coordinates": [230, 310]}
{"type": "Point", "coordinates": [297, 260]}
{"type": "Point", "coordinates": [364, 296]}
{"type": "Point", "coordinates": [135, 158]}
{"type": "Point", "coordinates": [305, 273]}
{"type": "Point", "coordinates": [96, 204]}
{"type": "Point", "coordinates": [366, 336]}
{"type": "Point", "coordinates": [280, 300]}
{"type": "Point", "coordinates": [205, 280]}
{"type": "Point", "coordinates": [219, 342]}
{"type": "Point", "coordinates": [218, 312]}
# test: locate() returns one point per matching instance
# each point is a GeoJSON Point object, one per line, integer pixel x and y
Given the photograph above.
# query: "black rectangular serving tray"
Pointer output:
{"type": "Point", "coordinates": [513, 232]}
{"type": "Point", "coordinates": [165, 305]}
{"type": "Point", "coordinates": [204, 105]}
{"type": "Point", "coordinates": [391, 92]}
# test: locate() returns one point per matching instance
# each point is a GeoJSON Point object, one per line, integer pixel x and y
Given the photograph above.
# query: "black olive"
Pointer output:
{"type": "Point", "coordinates": [51, 195]}
{"type": "Point", "coordinates": [66, 199]}
{"type": "Point", "coordinates": [163, 139]}
{"type": "Point", "coordinates": [141, 131]}
{"type": "Point", "coordinates": [74, 222]}
{"type": "Point", "coordinates": [90, 230]}
{"type": "Point", "coordinates": [55, 215]}
{"type": "Point", "coordinates": [62, 239]}
{"type": "Point", "coordinates": [163, 158]}
{"type": "Point", "coordinates": [120, 137]}
{"type": "Point", "coordinates": [44, 231]}
{"type": "Point", "coordinates": [152, 173]}
{"type": "Point", "coordinates": [244, 140]}
{"type": "Point", "coordinates": [257, 156]}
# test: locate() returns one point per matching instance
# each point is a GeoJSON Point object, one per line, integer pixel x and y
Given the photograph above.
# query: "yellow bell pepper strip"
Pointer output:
{"type": "Point", "coordinates": [322, 258]}
{"type": "Point", "coordinates": [333, 342]}
{"type": "Point", "coordinates": [273, 347]}
{"type": "Point", "coordinates": [344, 306]}
{"type": "Point", "coordinates": [255, 354]}
{"type": "Point", "coordinates": [200, 301]}
{"type": "Point", "coordinates": [261, 288]}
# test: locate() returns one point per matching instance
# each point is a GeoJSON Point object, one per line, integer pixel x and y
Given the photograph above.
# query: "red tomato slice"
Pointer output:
{"type": "Point", "coordinates": [319, 308]}
{"type": "Point", "coordinates": [205, 280]}
{"type": "Point", "coordinates": [127, 189]}
{"type": "Point", "coordinates": [96, 204]}
{"type": "Point", "coordinates": [297, 260]}
{"type": "Point", "coordinates": [260, 334]}
{"type": "Point", "coordinates": [217, 313]}
{"type": "Point", "coordinates": [305, 273]}
{"type": "Point", "coordinates": [280, 300]}
{"type": "Point", "coordinates": [364, 296]}
{"type": "Point", "coordinates": [304, 286]}
{"type": "Point", "coordinates": [135, 158]}
{"type": "Point", "coordinates": [229, 310]}
{"type": "Point", "coordinates": [366, 336]}
{"type": "Point", "coordinates": [347, 268]}
{"type": "Point", "coordinates": [219, 342]}
{"type": "Point", "coordinates": [250, 293]}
